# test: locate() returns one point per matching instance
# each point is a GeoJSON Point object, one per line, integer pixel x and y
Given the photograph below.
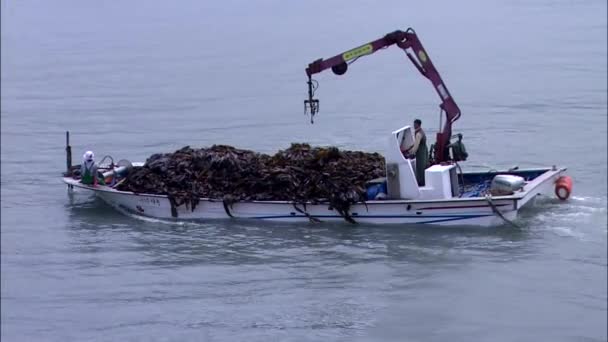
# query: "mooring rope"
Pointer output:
{"type": "Point", "coordinates": [498, 213]}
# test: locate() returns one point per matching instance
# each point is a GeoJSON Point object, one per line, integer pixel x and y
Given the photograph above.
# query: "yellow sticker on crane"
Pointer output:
{"type": "Point", "coordinates": [422, 56]}
{"type": "Point", "coordinates": [357, 52]}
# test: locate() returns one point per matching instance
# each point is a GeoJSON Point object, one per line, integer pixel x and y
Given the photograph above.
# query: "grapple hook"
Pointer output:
{"type": "Point", "coordinates": [311, 102]}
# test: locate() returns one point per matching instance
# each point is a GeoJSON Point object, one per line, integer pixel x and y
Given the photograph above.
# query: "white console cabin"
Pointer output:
{"type": "Point", "coordinates": [441, 181]}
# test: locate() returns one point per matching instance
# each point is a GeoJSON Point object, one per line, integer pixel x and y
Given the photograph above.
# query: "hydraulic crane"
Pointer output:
{"type": "Point", "coordinates": [409, 42]}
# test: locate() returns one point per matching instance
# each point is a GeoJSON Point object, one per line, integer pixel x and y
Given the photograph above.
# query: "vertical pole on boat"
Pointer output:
{"type": "Point", "coordinates": [68, 153]}
{"type": "Point", "coordinates": [68, 159]}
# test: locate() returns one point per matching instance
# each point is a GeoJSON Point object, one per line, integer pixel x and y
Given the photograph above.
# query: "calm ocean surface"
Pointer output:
{"type": "Point", "coordinates": [133, 78]}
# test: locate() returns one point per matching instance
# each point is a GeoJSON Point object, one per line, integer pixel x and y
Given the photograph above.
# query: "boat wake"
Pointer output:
{"type": "Point", "coordinates": [179, 223]}
{"type": "Point", "coordinates": [580, 217]}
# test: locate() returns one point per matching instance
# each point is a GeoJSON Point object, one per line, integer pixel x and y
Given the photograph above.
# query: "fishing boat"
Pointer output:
{"type": "Point", "coordinates": [448, 197]}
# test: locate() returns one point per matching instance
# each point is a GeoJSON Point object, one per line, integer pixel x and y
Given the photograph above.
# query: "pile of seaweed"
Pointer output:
{"type": "Point", "coordinates": [299, 174]}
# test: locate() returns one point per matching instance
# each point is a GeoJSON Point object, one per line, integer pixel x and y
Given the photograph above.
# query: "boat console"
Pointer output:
{"type": "Point", "coordinates": [441, 180]}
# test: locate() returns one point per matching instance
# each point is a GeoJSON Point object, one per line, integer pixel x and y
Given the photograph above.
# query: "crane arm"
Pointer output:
{"type": "Point", "coordinates": [409, 42]}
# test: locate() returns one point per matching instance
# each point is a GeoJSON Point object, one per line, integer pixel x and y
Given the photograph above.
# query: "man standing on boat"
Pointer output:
{"type": "Point", "coordinates": [459, 152]}
{"type": "Point", "coordinates": [88, 170]}
{"type": "Point", "coordinates": [420, 151]}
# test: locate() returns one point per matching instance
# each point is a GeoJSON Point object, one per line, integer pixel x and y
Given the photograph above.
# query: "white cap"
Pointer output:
{"type": "Point", "coordinates": [88, 156]}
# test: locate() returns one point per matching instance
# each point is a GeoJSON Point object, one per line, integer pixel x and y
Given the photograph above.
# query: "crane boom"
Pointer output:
{"type": "Point", "coordinates": [408, 41]}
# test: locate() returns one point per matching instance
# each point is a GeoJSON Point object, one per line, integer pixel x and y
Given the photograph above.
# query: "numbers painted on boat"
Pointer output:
{"type": "Point", "coordinates": [150, 201]}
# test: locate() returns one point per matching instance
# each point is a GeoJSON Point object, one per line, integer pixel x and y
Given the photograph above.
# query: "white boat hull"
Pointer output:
{"type": "Point", "coordinates": [475, 211]}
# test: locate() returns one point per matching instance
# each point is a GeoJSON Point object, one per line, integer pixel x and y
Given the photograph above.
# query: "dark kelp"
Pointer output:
{"type": "Point", "coordinates": [300, 174]}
